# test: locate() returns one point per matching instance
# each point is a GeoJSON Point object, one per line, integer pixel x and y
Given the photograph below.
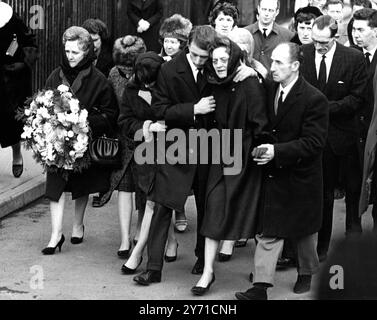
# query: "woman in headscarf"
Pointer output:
{"type": "Point", "coordinates": [97, 96]}
{"type": "Point", "coordinates": [232, 196]}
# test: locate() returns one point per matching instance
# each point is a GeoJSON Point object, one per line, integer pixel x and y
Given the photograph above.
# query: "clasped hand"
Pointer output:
{"type": "Point", "coordinates": [267, 156]}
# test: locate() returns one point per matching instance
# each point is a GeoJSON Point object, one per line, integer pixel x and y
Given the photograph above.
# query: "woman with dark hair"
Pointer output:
{"type": "Point", "coordinates": [232, 200]}
{"type": "Point", "coordinates": [136, 115]}
{"type": "Point", "coordinates": [102, 44]}
{"type": "Point", "coordinates": [15, 81]}
{"type": "Point", "coordinates": [96, 95]}
{"type": "Point", "coordinates": [224, 18]}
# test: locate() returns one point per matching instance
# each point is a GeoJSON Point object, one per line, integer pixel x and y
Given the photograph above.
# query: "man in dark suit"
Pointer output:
{"type": "Point", "coordinates": [365, 35]}
{"type": "Point", "coordinates": [266, 32]}
{"type": "Point", "coordinates": [291, 201]}
{"type": "Point", "coordinates": [183, 99]}
{"type": "Point", "coordinates": [340, 73]}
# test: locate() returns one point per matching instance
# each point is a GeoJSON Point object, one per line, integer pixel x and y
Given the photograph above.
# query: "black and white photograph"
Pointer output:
{"type": "Point", "coordinates": [188, 155]}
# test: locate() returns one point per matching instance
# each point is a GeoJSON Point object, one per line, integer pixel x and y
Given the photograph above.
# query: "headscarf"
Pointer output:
{"type": "Point", "coordinates": [235, 57]}
{"type": "Point", "coordinates": [72, 73]}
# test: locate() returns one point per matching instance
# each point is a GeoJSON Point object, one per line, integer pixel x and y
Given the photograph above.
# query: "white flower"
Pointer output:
{"type": "Point", "coordinates": [43, 112]}
{"type": "Point", "coordinates": [74, 105]}
{"type": "Point", "coordinates": [63, 88]}
{"type": "Point", "coordinates": [27, 112]}
{"type": "Point", "coordinates": [71, 134]}
{"type": "Point", "coordinates": [72, 118]}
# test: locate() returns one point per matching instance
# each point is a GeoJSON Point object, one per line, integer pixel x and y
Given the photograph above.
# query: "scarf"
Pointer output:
{"type": "Point", "coordinates": [72, 73]}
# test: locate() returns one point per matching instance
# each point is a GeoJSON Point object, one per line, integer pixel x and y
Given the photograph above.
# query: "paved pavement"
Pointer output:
{"type": "Point", "coordinates": [92, 270]}
{"type": "Point", "coordinates": [16, 193]}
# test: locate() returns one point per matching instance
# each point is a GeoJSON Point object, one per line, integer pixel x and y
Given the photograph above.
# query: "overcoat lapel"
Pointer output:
{"type": "Point", "coordinates": [289, 103]}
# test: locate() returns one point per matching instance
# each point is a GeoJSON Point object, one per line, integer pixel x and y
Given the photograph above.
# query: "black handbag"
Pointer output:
{"type": "Point", "coordinates": [105, 151]}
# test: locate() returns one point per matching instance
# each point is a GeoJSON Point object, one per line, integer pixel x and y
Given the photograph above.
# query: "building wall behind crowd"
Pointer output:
{"type": "Point", "coordinates": [61, 14]}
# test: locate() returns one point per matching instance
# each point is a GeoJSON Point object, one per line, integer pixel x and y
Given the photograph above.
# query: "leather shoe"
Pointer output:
{"type": "Point", "coordinates": [303, 284]}
{"type": "Point", "coordinates": [198, 268]}
{"type": "Point", "coordinates": [76, 241]}
{"type": "Point", "coordinates": [201, 291]}
{"type": "Point", "coordinates": [322, 257]}
{"type": "Point", "coordinates": [253, 294]}
{"type": "Point", "coordinates": [171, 259]}
{"type": "Point", "coordinates": [97, 201]}
{"type": "Point", "coordinates": [17, 170]}
{"type": "Point", "coordinates": [286, 263]}
{"type": "Point", "coordinates": [148, 277]}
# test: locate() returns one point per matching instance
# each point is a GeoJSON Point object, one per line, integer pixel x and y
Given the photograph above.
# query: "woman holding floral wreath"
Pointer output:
{"type": "Point", "coordinates": [96, 95]}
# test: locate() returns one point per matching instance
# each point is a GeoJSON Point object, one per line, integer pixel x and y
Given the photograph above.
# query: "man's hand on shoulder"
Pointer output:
{"type": "Point", "coordinates": [244, 72]}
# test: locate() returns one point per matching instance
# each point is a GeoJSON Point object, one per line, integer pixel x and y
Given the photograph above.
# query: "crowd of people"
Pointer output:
{"type": "Point", "coordinates": [302, 99]}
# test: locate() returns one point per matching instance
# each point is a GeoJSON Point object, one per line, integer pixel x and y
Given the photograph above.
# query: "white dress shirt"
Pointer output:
{"type": "Point", "coordinates": [372, 53]}
{"type": "Point", "coordinates": [329, 58]}
{"type": "Point", "coordinates": [285, 90]}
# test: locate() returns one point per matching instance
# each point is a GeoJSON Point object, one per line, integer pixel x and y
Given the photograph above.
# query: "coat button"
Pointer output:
{"type": "Point", "coordinates": [262, 53]}
{"type": "Point", "coordinates": [361, 140]}
{"type": "Point", "coordinates": [271, 176]}
{"type": "Point", "coordinates": [362, 118]}
{"type": "Point", "coordinates": [274, 131]}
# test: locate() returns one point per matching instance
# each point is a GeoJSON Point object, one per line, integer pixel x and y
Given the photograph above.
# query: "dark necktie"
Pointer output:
{"type": "Point", "coordinates": [280, 102]}
{"type": "Point", "coordinates": [367, 59]}
{"type": "Point", "coordinates": [264, 33]}
{"type": "Point", "coordinates": [200, 79]}
{"type": "Point", "coordinates": [322, 79]}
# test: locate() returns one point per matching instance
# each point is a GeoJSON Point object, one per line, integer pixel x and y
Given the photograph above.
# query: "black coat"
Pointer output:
{"type": "Point", "coordinates": [345, 92]}
{"type": "Point", "coordinates": [93, 91]}
{"type": "Point", "coordinates": [232, 198]}
{"type": "Point", "coordinates": [291, 204]}
{"type": "Point", "coordinates": [134, 112]}
{"type": "Point", "coordinates": [173, 101]}
{"type": "Point", "coordinates": [15, 86]}
{"type": "Point", "coordinates": [151, 11]}
{"type": "Point", "coordinates": [364, 115]}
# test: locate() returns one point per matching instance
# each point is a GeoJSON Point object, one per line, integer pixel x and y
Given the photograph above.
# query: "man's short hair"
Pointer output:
{"type": "Point", "coordinates": [327, 22]}
{"type": "Point", "coordinates": [295, 51]}
{"type": "Point", "coordinates": [362, 3]}
{"type": "Point", "coordinates": [332, 2]}
{"type": "Point", "coordinates": [202, 36]}
{"type": "Point", "coordinates": [277, 1]}
{"type": "Point", "coordinates": [366, 14]}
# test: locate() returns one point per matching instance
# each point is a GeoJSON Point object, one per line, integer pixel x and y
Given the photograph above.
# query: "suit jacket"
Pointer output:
{"type": "Point", "coordinates": [345, 91]}
{"type": "Point", "coordinates": [291, 204]}
{"type": "Point", "coordinates": [264, 47]}
{"type": "Point", "coordinates": [173, 101]}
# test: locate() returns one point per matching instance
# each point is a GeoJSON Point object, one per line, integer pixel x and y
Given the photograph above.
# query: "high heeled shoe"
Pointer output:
{"type": "Point", "coordinates": [201, 291]}
{"type": "Point", "coordinates": [125, 254]}
{"type": "Point", "coordinates": [129, 271]}
{"type": "Point", "coordinates": [75, 240]}
{"type": "Point", "coordinates": [172, 259]}
{"type": "Point", "coordinates": [49, 251]}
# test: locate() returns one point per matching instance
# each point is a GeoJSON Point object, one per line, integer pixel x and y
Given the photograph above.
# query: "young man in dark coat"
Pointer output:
{"type": "Point", "coordinates": [183, 99]}
{"type": "Point", "coordinates": [340, 73]}
{"type": "Point", "coordinates": [291, 201]}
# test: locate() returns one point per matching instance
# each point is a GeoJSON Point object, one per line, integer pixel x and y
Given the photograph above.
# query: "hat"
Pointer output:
{"type": "Point", "coordinates": [176, 27]}
{"type": "Point", "coordinates": [151, 59]}
{"type": "Point", "coordinates": [308, 10]}
{"type": "Point", "coordinates": [127, 49]}
{"type": "Point", "coordinates": [6, 13]}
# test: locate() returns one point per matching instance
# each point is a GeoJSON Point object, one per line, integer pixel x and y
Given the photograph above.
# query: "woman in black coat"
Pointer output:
{"type": "Point", "coordinates": [145, 16]}
{"type": "Point", "coordinates": [137, 118]}
{"type": "Point", "coordinates": [97, 96]}
{"type": "Point", "coordinates": [15, 80]}
{"type": "Point", "coordinates": [232, 193]}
